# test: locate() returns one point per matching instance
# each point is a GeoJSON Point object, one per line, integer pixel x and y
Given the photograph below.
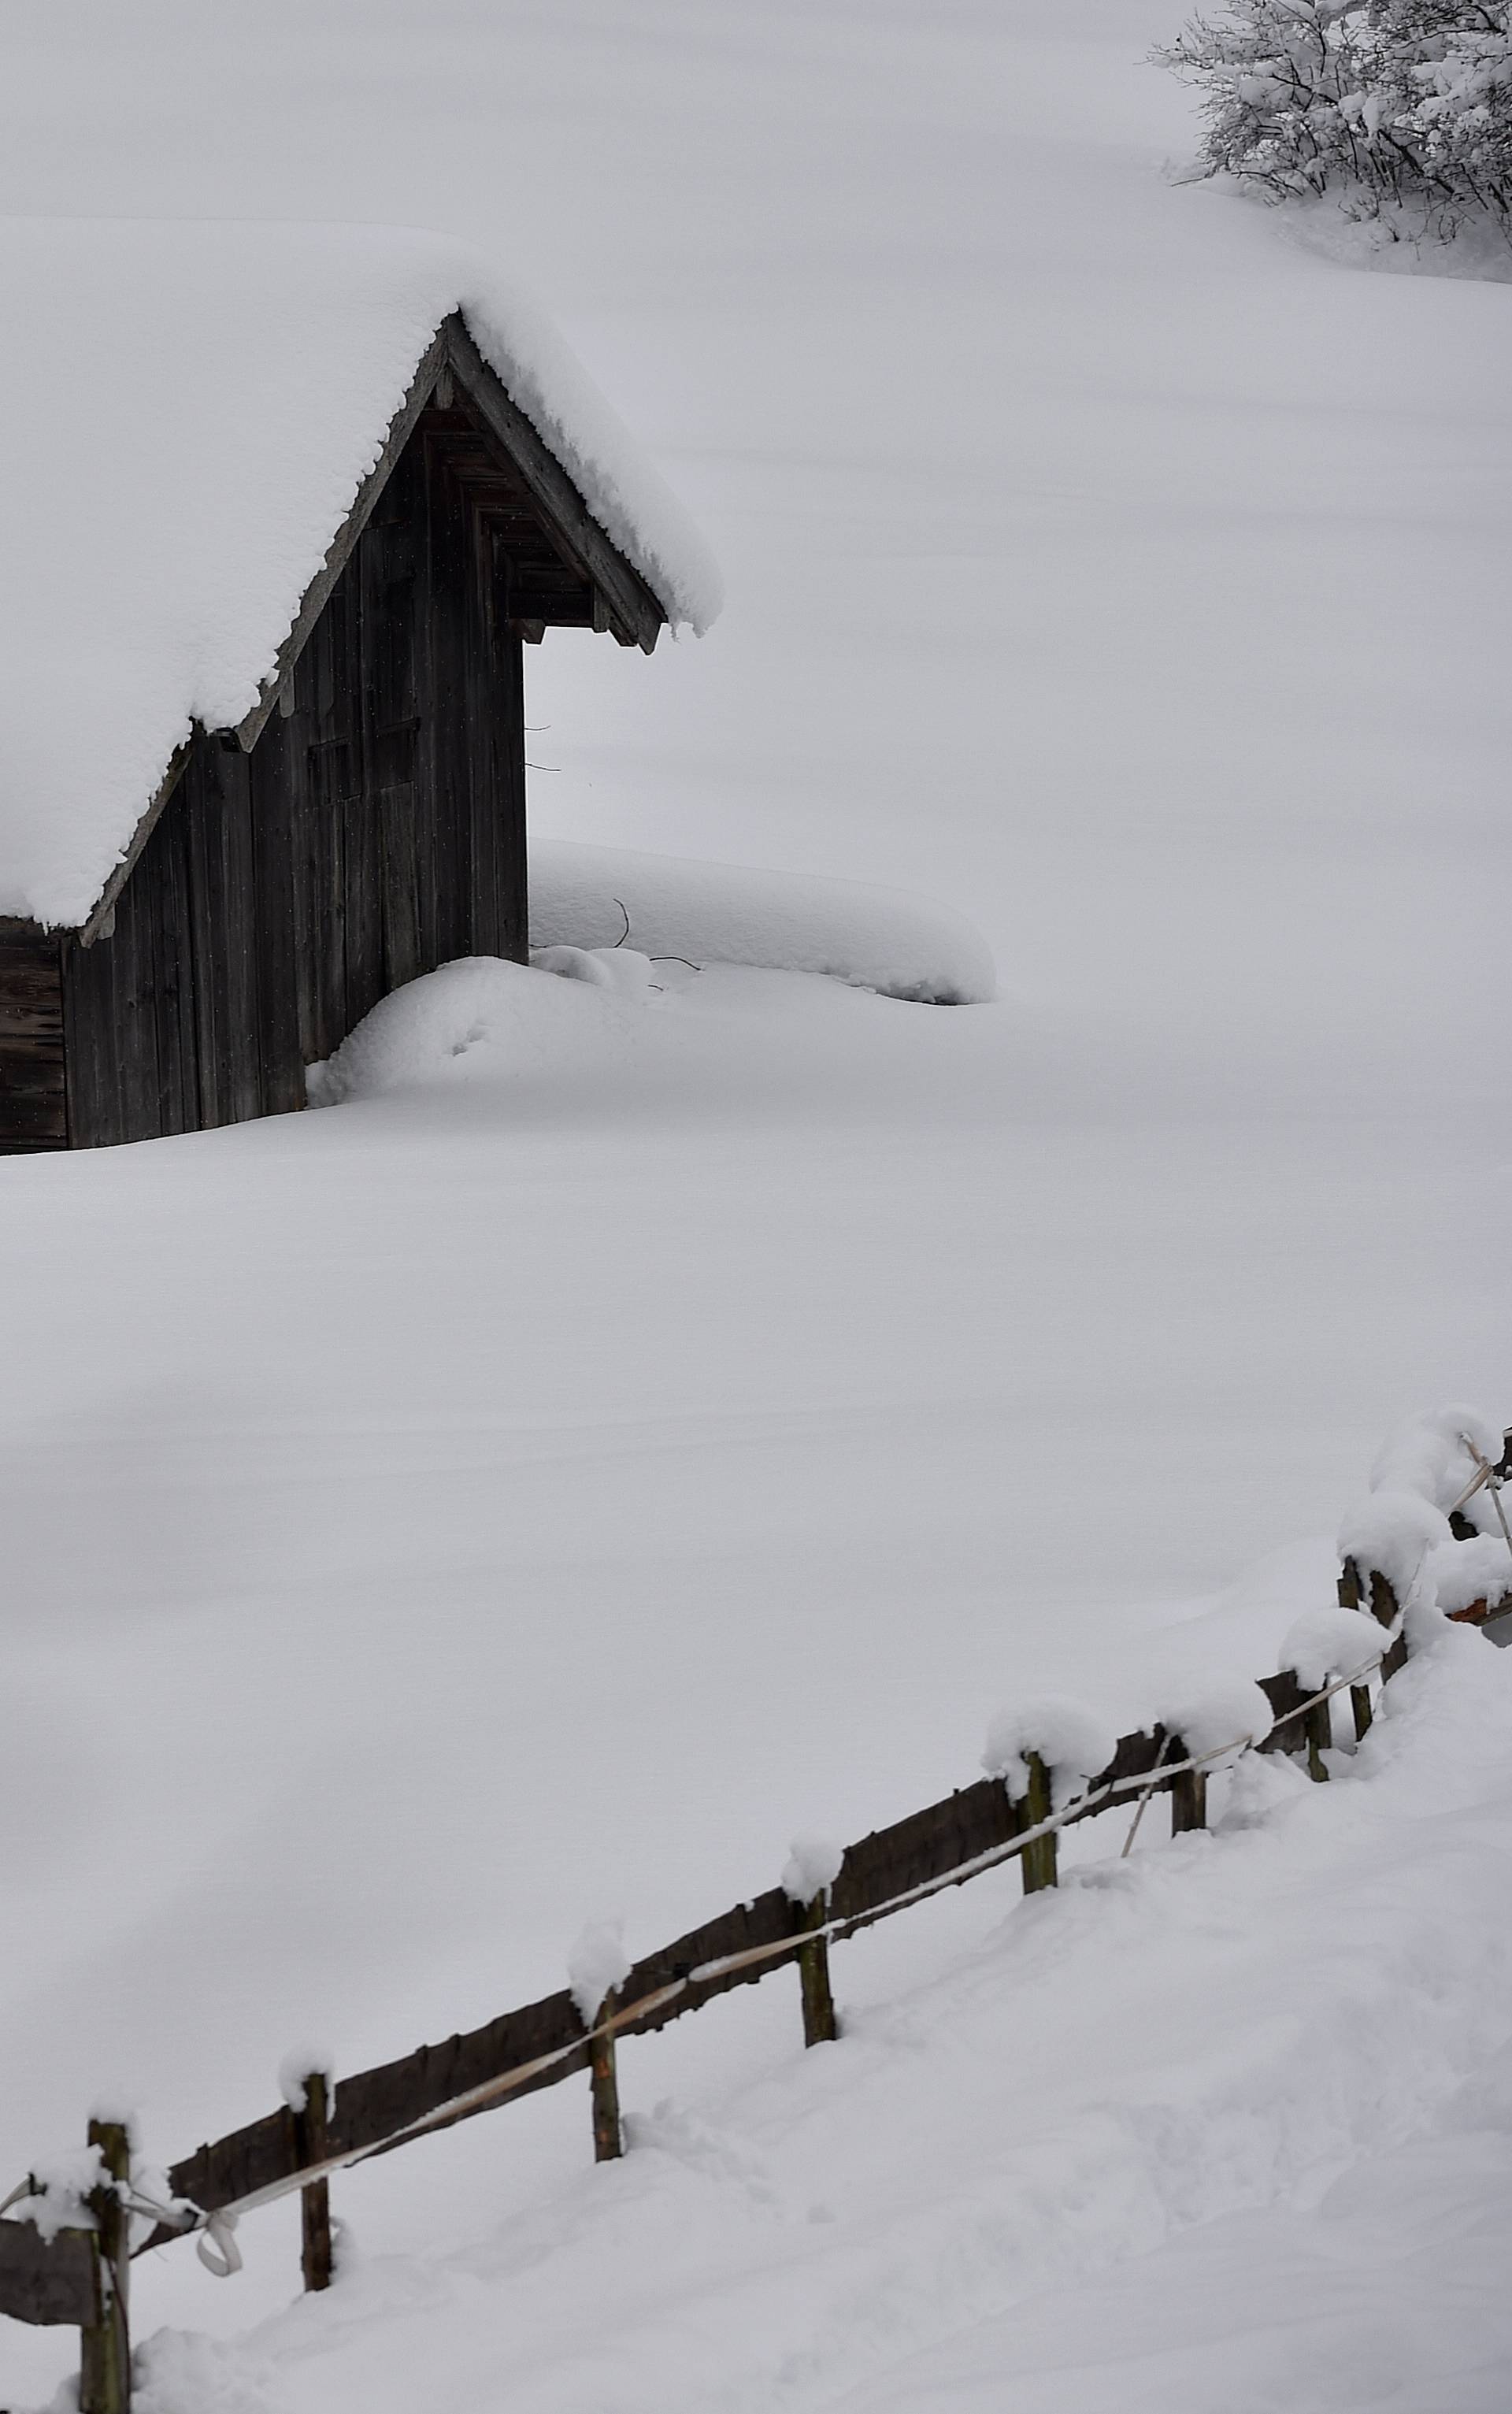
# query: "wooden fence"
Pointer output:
{"type": "Point", "coordinates": [79, 2276]}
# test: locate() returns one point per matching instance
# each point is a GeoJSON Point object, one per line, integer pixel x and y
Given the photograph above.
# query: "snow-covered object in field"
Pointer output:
{"type": "Point", "coordinates": [715, 912]}
{"type": "Point", "coordinates": [812, 1867]}
{"type": "Point", "coordinates": [1393, 1531]}
{"type": "Point", "coordinates": [597, 1964]}
{"type": "Point", "coordinates": [1224, 1710]}
{"type": "Point", "coordinates": [1434, 1454]}
{"type": "Point", "coordinates": [1330, 1642]}
{"type": "Point", "coordinates": [303, 2062]}
{"type": "Point", "coordinates": [215, 394]}
{"type": "Point", "coordinates": [1072, 1742]}
{"type": "Point", "coordinates": [1458, 1574]}
{"type": "Point", "coordinates": [623, 970]}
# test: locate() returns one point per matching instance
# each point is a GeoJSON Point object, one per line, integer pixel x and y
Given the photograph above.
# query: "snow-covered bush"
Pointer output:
{"type": "Point", "coordinates": [1402, 108]}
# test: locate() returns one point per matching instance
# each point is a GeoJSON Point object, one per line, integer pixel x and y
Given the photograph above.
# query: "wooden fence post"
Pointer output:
{"type": "Point", "coordinates": [608, 2137]}
{"type": "Point", "coordinates": [312, 2129]}
{"type": "Point", "coordinates": [105, 2356]}
{"type": "Point", "coordinates": [1352, 1596]}
{"type": "Point", "coordinates": [1317, 1726]}
{"type": "Point", "coordinates": [1383, 1606]}
{"type": "Point", "coordinates": [1189, 1793]}
{"type": "Point", "coordinates": [1037, 1860]}
{"type": "Point", "coordinates": [820, 2026]}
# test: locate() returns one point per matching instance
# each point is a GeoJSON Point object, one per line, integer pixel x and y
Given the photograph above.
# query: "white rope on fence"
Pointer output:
{"type": "Point", "coordinates": [217, 2249]}
{"type": "Point", "coordinates": [216, 2246]}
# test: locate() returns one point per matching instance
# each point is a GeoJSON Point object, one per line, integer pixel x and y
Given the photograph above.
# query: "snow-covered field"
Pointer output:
{"type": "Point", "coordinates": [536, 1489]}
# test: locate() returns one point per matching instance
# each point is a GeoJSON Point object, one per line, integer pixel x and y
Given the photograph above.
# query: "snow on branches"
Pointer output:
{"type": "Point", "coordinates": [1400, 107]}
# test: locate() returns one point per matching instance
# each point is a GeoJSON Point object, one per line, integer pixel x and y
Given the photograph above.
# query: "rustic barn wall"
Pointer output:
{"type": "Point", "coordinates": [33, 1112]}
{"type": "Point", "coordinates": [376, 831]}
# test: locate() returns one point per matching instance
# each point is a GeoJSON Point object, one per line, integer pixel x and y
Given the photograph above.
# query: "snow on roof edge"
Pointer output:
{"type": "Point", "coordinates": [631, 502]}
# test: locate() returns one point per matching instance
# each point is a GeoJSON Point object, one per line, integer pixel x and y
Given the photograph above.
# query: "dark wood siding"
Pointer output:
{"type": "Point", "coordinates": [33, 1112]}
{"type": "Point", "coordinates": [376, 831]}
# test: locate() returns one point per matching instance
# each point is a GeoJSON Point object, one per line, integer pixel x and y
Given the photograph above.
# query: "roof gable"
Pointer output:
{"type": "Point", "coordinates": [222, 408]}
{"type": "Point", "coordinates": [629, 610]}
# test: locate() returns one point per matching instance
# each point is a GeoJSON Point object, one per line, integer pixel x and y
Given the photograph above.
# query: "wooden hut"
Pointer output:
{"type": "Point", "coordinates": [364, 819]}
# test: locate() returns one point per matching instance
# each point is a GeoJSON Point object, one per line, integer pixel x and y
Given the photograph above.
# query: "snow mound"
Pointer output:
{"type": "Point", "coordinates": [429, 1025]}
{"type": "Point", "coordinates": [216, 394]}
{"type": "Point", "coordinates": [622, 970]}
{"type": "Point", "coordinates": [875, 938]}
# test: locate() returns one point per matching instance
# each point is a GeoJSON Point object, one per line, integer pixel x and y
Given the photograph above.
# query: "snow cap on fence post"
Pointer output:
{"type": "Point", "coordinates": [1330, 1642]}
{"type": "Point", "coordinates": [1073, 1742]}
{"type": "Point", "coordinates": [1390, 1533]}
{"type": "Point", "coordinates": [811, 1867]}
{"type": "Point", "coordinates": [810, 1872]}
{"type": "Point", "coordinates": [1223, 1710]}
{"type": "Point", "coordinates": [302, 2063]}
{"type": "Point", "coordinates": [61, 2187]}
{"type": "Point", "coordinates": [597, 1968]}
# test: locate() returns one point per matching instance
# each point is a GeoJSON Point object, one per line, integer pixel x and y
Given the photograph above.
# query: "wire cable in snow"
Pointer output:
{"type": "Point", "coordinates": [1143, 1802]}
{"type": "Point", "coordinates": [1492, 1482]}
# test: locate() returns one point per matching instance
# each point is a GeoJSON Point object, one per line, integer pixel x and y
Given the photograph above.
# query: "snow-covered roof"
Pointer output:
{"type": "Point", "coordinates": [186, 414]}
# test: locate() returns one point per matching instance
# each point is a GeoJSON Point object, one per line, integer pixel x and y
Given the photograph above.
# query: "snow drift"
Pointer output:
{"type": "Point", "coordinates": [874, 938]}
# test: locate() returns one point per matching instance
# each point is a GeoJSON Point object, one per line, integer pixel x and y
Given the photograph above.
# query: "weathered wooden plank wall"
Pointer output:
{"type": "Point", "coordinates": [48, 2280]}
{"type": "Point", "coordinates": [33, 1109]}
{"type": "Point", "coordinates": [376, 831]}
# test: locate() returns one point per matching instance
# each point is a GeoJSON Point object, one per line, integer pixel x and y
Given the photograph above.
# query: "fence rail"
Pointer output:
{"type": "Point", "coordinates": [79, 2277]}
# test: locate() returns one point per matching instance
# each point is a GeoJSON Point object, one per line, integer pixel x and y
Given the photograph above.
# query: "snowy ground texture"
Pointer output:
{"type": "Point", "coordinates": [533, 1491]}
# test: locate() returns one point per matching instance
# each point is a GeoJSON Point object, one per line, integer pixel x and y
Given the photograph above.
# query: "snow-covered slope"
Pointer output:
{"type": "Point", "coordinates": [535, 1496]}
{"type": "Point", "coordinates": [1265, 2062]}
